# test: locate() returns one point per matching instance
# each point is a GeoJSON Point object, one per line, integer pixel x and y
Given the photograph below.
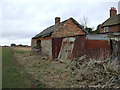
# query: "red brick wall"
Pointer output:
{"type": "Point", "coordinates": [115, 28]}
{"type": "Point", "coordinates": [101, 30]}
{"type": "Point", "coordinates": [34, 41]}
{"type": "Point", "coordinates": [45, 38]}
{"type": "Point", "coordinates": [68, 29]}
{"type": "Point", "coordinates": [45, 45]}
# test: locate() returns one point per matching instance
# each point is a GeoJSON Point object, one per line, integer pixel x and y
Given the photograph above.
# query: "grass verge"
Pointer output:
{"type": "Point", "coordinates": [11, 76]}
{"type": "Point", "coordinates": [14, 75]}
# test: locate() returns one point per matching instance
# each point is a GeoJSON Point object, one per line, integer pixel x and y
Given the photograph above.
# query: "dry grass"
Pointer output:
{"type": "Point", "coordinates": [77, 73]}
{"type": "Point", "coordinates": [51, 73]}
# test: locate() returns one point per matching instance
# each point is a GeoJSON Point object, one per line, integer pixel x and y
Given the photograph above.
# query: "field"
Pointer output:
{"type": "Point", "coordinates": [39, 70]}
{"type": "Point", "coordinates": [11, 77]}
{"type": "Point", "coordinates": [12, 72]}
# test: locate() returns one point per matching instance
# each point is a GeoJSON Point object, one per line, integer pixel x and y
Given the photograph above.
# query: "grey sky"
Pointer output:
{"type": "Point", "coordinates": [23, 19]}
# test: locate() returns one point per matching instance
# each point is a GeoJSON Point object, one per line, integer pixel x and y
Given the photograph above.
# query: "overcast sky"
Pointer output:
{"type": "Point", "coordinates": [20, 20]}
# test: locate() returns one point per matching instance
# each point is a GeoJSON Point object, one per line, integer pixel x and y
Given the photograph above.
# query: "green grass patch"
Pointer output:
{"type": "Point", "coordinates": [11, 76]}
{"type": "Point", "coordinates": [20, 51]}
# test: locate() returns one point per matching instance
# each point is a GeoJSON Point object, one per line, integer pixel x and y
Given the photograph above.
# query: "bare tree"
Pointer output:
{"type": "Point", "coordinates": [84, 21]}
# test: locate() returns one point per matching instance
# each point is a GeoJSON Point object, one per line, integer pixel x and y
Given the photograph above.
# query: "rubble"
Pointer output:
{"type": "Point", "coordinates": [96, 72]}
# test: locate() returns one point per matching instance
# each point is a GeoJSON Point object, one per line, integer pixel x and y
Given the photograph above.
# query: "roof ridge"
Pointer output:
{"type": "Point", "coordinates": [111, 19]}
{"type": "Point", "coordinates": [79, 25]}
{"type": "Point", "coordinates": [46, 32]}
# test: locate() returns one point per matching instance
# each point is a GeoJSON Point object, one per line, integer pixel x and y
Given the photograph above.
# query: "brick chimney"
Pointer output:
{"type": "Point", "coordinates": [113, 11]}
{"type": "Point", "coordinates": [57, 20]}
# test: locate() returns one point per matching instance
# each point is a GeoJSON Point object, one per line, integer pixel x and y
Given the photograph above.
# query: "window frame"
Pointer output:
{"type": "Point", "coordinates": [106, 29]}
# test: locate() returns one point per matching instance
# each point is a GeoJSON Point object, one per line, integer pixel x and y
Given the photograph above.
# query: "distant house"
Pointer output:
{"type": "Point", "coordinates": [60, 40]}
{"type": "Point", "coordinates": [111, 28]}
{"type": "Point", "coordinates": [112, 24]}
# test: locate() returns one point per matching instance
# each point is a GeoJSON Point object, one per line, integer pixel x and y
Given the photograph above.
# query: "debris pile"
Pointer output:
{"type": "Point", "coordinates": [98, 73]}
{"type": "Point", "coordinates": [77, 73]}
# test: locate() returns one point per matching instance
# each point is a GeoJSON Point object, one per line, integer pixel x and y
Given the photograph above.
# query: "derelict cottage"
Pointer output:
{"type": "Point", "coordinates": [68, 40]}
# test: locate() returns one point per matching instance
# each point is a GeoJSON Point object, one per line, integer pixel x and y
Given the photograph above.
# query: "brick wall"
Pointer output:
{"type": "Point", "coordinates": [68, 29]}
{"type": "Point", "coordinates": [115, 28]}
{"type": "Point", "coordinates": [45, 47]}
{"type": "Point", "coordinates": [33, 43]}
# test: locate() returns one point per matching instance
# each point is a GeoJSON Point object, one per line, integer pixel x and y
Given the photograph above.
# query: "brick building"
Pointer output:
{"type": "Point", "coordinates": [112, 24]}
{"type": "Point", "coordinates": [58, 40]}
{"type": "Point", "coordinates": [111, 27]}
{"type": "Point", "coordinates": [67, 39]}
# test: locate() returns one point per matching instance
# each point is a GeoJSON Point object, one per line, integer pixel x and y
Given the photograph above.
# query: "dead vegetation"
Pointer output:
{"type": "Point", "coordinates": [104, 74]}
{"type": "Point", "coordinates": [76, 73]}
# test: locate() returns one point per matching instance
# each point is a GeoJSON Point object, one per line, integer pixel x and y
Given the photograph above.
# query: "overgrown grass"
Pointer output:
{"type": "Point", "coordinates": [11, 76]}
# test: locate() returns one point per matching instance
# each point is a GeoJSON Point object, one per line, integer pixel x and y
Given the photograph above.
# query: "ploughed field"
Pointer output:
{"type": "Point", "coordinates": [39, 70]}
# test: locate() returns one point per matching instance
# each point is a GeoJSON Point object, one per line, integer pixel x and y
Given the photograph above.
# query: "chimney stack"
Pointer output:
{"type": "Point", "coordinates": [57, 20]}
{"type": "Point", "coordinates": [113, 11]}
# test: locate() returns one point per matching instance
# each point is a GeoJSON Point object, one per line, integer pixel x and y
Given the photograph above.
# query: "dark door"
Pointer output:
{"type": "Point", "coordinates": [56, 46]}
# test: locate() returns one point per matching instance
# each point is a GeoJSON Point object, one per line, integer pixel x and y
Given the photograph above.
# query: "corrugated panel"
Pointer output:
{"type": "Point", "coordinates": [79, 45]}
{"type": "Point", "coordinates": [70, 47]}
{"type": "Point", "coordinates": [56, 46]}
{"type": "Point", "coordinates": [66, 48]}
{"type": "Point", "coordinates": [97, 37]}
{"type": "Point", "coordinates": [98, 49]}
{"type": "Point", "coordinates": [97, 44]}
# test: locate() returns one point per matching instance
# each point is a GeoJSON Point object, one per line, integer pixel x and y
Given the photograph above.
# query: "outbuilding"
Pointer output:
{"type": "Point", "coordinates": [63, 40]}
